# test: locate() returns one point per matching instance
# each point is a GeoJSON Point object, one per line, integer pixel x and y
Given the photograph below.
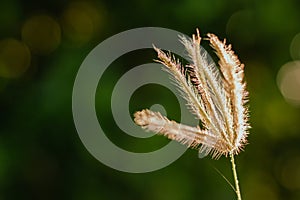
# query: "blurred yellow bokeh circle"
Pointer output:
{"type": "Point", "coordinates": [15, 58]}
{"type": "Point", "coordinates": [42, 34]}
{"type": "Point", "coordinates": [81, 21]}
{"type": "Point", "coordinates": [288, 80]}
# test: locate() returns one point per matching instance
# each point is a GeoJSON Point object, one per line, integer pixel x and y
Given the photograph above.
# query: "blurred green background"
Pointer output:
{"type": "Point", "coordinates": [42, 45]}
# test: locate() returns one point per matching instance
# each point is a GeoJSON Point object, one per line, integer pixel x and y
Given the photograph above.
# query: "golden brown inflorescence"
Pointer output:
{"type": "Point", "coordinates": [216, 96]}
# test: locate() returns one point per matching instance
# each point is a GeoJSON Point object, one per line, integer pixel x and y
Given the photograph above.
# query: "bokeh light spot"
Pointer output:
{"type": "Point", "coordinates": [240, 27]}
{"type": "Point", "coordinates": [15, 58]}
{"type": "Point", "coordinates": [295, 47]}
{"type": "Point", "coordinates": [81, 22]}
{"type": "Point", "coordinates": [288, 80]}
{"type": "Point", "coordinates": [42, 34]}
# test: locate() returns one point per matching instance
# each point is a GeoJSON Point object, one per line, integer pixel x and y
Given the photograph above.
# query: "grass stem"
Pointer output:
{"type": "Point", "coordinates": [236, 181]}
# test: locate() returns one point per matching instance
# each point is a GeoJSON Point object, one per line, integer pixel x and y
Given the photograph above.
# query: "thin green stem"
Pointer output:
{"type": "Point", "coordinates": [236, 181]}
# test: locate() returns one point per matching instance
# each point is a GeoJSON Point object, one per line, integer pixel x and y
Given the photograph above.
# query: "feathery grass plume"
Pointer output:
{"type": "Point", "coordinates": [216, 96]}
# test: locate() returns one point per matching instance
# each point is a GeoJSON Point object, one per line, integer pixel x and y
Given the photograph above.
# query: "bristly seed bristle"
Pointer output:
{"type": "Point", "coordinates": [216, 96]}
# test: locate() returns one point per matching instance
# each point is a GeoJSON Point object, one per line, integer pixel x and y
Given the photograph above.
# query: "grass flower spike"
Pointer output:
{"type": "Point", "coordinates": [215, 95]}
